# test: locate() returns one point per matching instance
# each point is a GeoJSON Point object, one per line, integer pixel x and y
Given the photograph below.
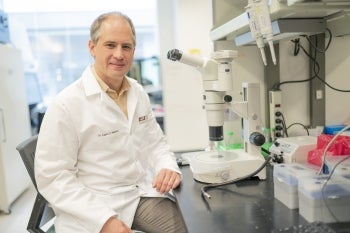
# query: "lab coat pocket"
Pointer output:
{"type": "Point", "coordinates": [143, 127]}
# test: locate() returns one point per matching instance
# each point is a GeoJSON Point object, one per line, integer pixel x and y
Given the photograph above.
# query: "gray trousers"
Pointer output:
{"type": "Point", "coordinates": [158, 215]}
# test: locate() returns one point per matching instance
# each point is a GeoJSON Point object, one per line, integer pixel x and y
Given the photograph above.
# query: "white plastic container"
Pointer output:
{"type": "Point", "coordinates": [327, 202]}
{"type": "Point", "coordinates": [286, 178]}
{"type": "Point", "coordinates": [342, 169]}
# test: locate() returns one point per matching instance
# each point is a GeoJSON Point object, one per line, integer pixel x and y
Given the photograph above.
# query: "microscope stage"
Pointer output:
{"type": "Point", "coordinates": [221, 166]}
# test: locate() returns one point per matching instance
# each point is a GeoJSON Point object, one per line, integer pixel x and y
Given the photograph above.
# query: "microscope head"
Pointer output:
{"type": "Point", "coordinates": [177, 55]}
{"type": "Point", "coordinates": [217, 80]}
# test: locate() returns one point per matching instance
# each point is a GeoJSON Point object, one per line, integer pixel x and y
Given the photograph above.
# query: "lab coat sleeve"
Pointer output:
{"type": "Point", "coordinates": [156, 147]}
{"type": "Point", "coordinates": [159, 153]}
{"type": "Point", "coordinates": [56, 170]}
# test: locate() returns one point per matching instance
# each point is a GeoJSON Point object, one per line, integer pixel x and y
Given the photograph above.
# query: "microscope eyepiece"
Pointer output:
{"type": "Point", "coordinates": [174, 54]}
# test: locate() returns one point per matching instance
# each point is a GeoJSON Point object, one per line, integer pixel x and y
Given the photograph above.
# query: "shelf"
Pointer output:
{"type": "Point", "coordinates": [279, 9]}
{"type": "Point", "coordinates": [286, 28]}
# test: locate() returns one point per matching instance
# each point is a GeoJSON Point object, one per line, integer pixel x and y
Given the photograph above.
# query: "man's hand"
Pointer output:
{"type": "Point", "coordinates": [166, 180]}
{"type": "Point", "coordinates": [114, 225]}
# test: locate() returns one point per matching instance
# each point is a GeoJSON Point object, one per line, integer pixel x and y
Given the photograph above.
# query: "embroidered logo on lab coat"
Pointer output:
{"type": "Point", "coordinates": [143, 119]}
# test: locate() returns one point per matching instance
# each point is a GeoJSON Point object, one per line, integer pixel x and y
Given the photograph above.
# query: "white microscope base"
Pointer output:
{"type": "Point", "coordinates": [242, 165]}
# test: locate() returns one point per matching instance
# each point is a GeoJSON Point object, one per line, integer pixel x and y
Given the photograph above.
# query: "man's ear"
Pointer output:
{"type": "Point", "coordinates": [91, 48]}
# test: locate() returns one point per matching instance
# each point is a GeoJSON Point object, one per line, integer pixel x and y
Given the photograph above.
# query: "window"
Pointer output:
{"type": "Point", "coordinates": [54, 40]}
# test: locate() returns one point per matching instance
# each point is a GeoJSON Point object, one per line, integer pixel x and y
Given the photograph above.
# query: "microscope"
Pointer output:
{"type": "Point", "coordinates": [215, 165]}
{"type": "Point", "coordinates": [216, 82]}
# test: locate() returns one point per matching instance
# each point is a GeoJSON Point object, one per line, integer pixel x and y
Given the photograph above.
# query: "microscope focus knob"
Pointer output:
{"type": "Point", "coordinates": [257, 139]}
{"type": "Point", "coordinates": [227, 98]}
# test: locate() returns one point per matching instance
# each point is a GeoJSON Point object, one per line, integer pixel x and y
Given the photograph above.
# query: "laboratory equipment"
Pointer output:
{"type": "Point", "coordinates": [14, 126]}
{"type": "Point", "coordinates": [217, 80]}
{"type": "Point", "coordinates": [286, 178]}
{"type": "Point", "coordinates": [338, 165]}
{"type": "Point", "coordinates": [215, 166]}
{"type": "Point", "coordinates": [325, 199]}
{"type": "Point", "coordinates": [260, 26]}
{"type": "Point", "coordinates": [277, 123]}
{"type": "Point", "coordinates": [292, 149]}
{"type": "Point", "coordinates": [288, 21]}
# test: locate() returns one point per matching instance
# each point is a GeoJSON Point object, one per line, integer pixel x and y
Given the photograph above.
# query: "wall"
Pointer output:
{"type": "Point", "coordinates": [337, 75]}
{"type": "Point", "coordinates": [295, 97]}
{"type": "Point", "coordinates": [184, 25]}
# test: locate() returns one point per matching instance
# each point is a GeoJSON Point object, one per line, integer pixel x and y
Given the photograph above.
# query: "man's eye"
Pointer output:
{"type": "Point", "coordinates": [127, 47]}
{"type": "Point", "coordinates": [110, 45]}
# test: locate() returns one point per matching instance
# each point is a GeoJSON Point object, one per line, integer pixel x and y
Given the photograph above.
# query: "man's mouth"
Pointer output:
{"type": "Point", "coordinates": [117, 65]}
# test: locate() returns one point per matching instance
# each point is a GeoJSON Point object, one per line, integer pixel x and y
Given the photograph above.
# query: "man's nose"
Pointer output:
{"type": "Point", "coordinates": [118, 52]}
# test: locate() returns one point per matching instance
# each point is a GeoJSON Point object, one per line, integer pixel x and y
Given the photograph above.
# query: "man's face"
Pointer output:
{"type": "Point", "coordinates": [114, 50]}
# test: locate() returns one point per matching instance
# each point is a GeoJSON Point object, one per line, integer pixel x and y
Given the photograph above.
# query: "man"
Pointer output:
{"type": "Point", "coordinates": [102, 161]}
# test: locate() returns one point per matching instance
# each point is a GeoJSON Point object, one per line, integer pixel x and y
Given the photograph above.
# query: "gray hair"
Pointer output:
{"type": "Point", "coordinates": [96, 25]}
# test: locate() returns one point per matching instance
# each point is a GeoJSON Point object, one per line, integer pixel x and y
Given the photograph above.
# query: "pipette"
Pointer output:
{"type": "Point", "coordinates": [260, 26]}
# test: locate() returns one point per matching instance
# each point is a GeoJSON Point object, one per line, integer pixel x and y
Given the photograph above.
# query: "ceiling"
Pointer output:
{"type": "Point", "coordinates": [11, 6]}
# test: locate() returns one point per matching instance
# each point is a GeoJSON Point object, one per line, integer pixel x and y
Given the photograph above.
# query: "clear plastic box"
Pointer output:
{"type": "Point", "coordinates": [324, 201]}
{"type": "Point", "coordinates": [286, 178]}
{"type": "Point", "coordinates": [342, 169]}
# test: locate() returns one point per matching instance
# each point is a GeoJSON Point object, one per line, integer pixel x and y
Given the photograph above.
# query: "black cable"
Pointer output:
{"type": "Point", "coordinates": [315, 62]}
{"type": "Point", "coordinates": [333, 88]}
{"type": "Point", "coordinates": [315, 46]}
{"type": "Point", "coordinates": [209, 186]}
{"type": "Point", "coordinates": [296, 123]}
{"type": "Point", "coordinates": [296, 46]}
{"type": "Point", "coordinates": [285, 128]}
{"type": "Point", "coordinates": [316, 66]}
{"type": "Point", "coordinates": [284, 125]}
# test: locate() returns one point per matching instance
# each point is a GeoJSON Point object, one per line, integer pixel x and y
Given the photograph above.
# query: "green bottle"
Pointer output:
{"type": "Point", "coordinates": [230, 143]}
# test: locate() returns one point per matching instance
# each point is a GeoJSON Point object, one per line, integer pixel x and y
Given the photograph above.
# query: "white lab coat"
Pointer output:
{"type": "Point", "coordinates": [92, 162]}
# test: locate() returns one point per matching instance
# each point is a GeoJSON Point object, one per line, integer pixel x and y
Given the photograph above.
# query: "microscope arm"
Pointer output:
{"type": "Point", "coordinates": [249, 110]}
{"type": "Point", "coordinates": [240, 108]}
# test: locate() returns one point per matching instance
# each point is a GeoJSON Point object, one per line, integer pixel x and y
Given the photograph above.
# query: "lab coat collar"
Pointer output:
{"type": "Point", "coordinates": [91, 87]}
{"type": "Point", "coordinates": [132, 100]}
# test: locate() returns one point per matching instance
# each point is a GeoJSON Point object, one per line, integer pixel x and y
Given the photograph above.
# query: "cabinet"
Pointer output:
{"type": "Point", "coordinates": [14, 126]}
